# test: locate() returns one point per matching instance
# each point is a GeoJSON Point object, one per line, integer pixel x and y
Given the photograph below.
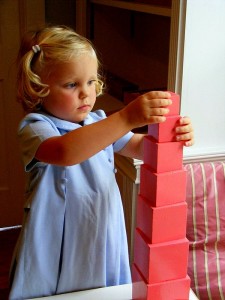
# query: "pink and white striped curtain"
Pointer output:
{"type": "Point", "coordinates": [206, 228]}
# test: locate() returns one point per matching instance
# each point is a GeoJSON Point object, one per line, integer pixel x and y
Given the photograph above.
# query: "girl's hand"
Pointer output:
{"type": "Point", "coordinates": [148, 108]}
{"type": "Point", "coordinates": [184, 132]}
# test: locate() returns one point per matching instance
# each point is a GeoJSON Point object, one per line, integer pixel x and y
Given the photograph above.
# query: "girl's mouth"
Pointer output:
{"type": "Point", "coordinates": [84, 107]}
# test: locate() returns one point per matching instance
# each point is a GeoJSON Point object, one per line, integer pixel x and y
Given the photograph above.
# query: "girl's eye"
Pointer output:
{"type": "Point", "coordinates": [71, 85]}
{"type": "Point", "coordinates": [90, 82]}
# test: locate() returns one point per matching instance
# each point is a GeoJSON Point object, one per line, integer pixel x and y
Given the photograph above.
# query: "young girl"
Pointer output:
{"type": "Point", "coordinates": [73, 236]}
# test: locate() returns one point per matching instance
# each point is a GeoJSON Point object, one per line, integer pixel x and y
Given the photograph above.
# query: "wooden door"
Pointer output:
{"type": "Point", "coordinates": [16, 16]}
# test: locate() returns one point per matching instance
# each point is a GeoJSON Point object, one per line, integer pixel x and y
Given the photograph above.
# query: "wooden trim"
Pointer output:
{"type": "Point", "coordinates": [204, 158]}
{"type": "Point", "coordinates": [81, 17]}
{"type": "Point", "coordinates": [10, 228]}
{"type": "Point", "coordinates": [22, 17]}
{"type": "Point", "coordinates": [128, 166]}
{"type": "Point", "coordinates": [139, 7]}
{"type": "Point", "coordinates": [176, 52]}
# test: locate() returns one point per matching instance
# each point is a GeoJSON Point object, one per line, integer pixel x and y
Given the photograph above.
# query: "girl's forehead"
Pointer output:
{"type": "Point", "coordinates": [75, 67]}
{"type": "Point", "coordinates": [82, 60]}
{"type": "Point", "coordinates": [87, 56]}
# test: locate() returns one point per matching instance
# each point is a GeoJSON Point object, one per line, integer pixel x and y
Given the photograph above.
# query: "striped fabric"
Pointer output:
{"type": "Point", "coordinates": [206, 229]}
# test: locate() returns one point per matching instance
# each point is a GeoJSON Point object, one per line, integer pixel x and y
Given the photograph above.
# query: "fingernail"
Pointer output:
{"type": "Point", "coordinates": [181, 121]}
{"type": "Point", "coordinates": [188, 144]}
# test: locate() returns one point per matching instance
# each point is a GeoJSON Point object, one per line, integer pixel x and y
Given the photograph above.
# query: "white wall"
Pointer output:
{"type": "Point", "coordinates": [203, 84]}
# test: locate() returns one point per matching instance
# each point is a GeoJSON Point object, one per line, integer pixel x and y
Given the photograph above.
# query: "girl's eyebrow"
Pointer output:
{"type": "Point", "coordinates": [94, 76]}
{"type": "Point", "coordinates": [71, 77]}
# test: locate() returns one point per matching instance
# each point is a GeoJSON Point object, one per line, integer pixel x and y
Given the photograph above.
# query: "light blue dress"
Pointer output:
{"type": "Point", "coordinates": [73, 236]}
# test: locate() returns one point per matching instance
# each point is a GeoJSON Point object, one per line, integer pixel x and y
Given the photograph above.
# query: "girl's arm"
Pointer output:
{"type": "Point", "coordinates": [134, 148]}
{"type": "Point", "coordinates": [80, 144]}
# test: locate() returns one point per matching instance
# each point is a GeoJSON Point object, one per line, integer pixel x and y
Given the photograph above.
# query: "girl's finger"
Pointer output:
{"type": "Point", "coordinates": [184, 129]}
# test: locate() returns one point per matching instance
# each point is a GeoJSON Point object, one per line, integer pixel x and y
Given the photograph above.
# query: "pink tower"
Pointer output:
{"type": "Point", "coordinates": [159, 271]}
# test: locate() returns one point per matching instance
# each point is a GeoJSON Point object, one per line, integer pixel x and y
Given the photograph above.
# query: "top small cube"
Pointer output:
{"type": "Point", "coordinates": [175, 106]}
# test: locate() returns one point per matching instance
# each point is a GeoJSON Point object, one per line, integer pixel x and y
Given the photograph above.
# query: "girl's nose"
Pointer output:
{"type": "Point", "coordinates": [83, 92]}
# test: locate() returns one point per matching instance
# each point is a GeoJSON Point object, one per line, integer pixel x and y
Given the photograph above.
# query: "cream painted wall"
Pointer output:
{"type": "Point", "coordinates": [203, 83]}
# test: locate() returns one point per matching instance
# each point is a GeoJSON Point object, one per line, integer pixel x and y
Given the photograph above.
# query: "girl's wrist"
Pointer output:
{"type": "Point", "coordinates": [125, 119]}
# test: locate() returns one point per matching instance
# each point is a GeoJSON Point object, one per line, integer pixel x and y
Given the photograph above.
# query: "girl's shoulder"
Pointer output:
{"type": "Point", "coordinates": [47, 120]}
{"type": "Point", "coordinates": [56, 123]}
{"type": "Point", "coordinates": [34, 117]}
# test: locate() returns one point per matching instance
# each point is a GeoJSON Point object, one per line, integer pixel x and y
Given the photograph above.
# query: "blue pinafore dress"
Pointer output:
{"type": "Point", "coordinates": [73, 236]}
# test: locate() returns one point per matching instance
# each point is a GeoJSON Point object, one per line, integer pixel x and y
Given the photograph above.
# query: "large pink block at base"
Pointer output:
{"type": "Point", "coordinates": [162, 261]}
{"type": "Point", "coordinates": [161, 224]}
{"type": "Point", "coordinates": [163, 157]}
{"type": "Point", "coordinates": [164, 132]}
{"type": "Point", "coordinates": [163, 188]}
{"type": "Point", "coordinates": [166, 290]}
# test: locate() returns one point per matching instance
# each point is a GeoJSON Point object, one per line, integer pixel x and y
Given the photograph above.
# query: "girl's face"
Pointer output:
{"type": "Point", "coordinates": [72, 88]}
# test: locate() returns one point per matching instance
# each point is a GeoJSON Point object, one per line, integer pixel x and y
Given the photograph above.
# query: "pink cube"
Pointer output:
{"type": "Point", "coordinates": [164, 132]}
{"type": "Point", "coordinates": [162, 261]}
{"type": "Point", "coordinates": [165, 290]}
{"type": "Point", "coordinates": [161, 224]}
{"type": "Point", "coordinates": [163, 157]}
{"type": "Point", "coordinates": [162, 188]}
{"type": "Point", "coordinates": [175, 106]}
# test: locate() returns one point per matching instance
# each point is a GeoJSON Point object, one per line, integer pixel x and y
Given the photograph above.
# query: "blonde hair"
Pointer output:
{"type": "Point", "coordinates": [41, 50]}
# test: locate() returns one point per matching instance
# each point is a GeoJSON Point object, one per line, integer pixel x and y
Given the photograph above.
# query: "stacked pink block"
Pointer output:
{"type": "Point", "coordinates": [159, 271]}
